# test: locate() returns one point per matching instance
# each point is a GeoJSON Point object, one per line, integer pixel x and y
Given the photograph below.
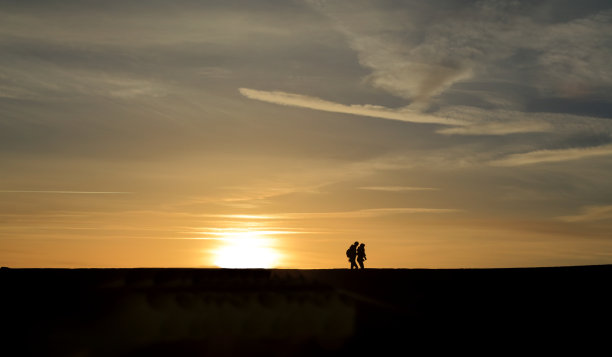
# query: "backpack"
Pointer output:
{"type": "Point", "coordinates": [348, 252]}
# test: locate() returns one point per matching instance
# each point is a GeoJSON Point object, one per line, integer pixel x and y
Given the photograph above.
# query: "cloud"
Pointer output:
{"type": "Point", "coordinates": [503, 51]}
{"type": "Point", "coordinates": [417, 51]}
{"type": "Point", "coordinates": [68, 192]}
{"type": "Point", "coordinates": [499, 128]}
{"type": "Point", "coordinates": [504, 122]}
{"type": "Point", "coordinates": [397, 188]}
{"type": "Point", "coordinates": [154, 23]}
{"type": "Point", "coordinates": [30, 79]}
{"type": "Point", "coordinates": [364, 213]}
{"type": "Point", "coordinates": [511, 50]}
{"type": "Point", "coordinates": [416, 81]}
{"type": "Point", "coordinates": [384, 43]}
{"type": "Point", "coordinates": [575, 55]}
{"type": "Point", "coordinates": [590, 213]}
{"type": "Point", "coordinates": [542, 156]}
{"type": "Point", "coordinates": [368, 213]}
{"type": "Point", "coordinates": [463, 119]}
{"type": "Point", "coordinates": [375, 111]}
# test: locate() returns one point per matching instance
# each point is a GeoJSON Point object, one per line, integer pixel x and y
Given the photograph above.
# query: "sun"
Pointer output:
{"type": "Point", "coordinates": [246, 250]}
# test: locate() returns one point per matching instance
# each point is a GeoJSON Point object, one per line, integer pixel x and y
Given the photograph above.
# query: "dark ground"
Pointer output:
{"type": "Point", "coordinates": [377, 312]}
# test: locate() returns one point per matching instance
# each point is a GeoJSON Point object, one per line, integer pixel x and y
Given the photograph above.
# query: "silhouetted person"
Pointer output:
{"type": "Point", "coordinates": [351, 253]}
{"type": "Point", "coordinates": [361, 255]}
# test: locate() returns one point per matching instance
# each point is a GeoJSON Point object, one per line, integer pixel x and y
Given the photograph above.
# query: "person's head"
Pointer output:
{"type": "Point", "coordinates": [356, 243]}
{"type": "Point", "coordinates": [363, 244]}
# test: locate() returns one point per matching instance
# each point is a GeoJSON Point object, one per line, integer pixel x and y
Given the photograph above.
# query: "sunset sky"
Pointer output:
{"type": "Point", "coordinates": [442, 134]}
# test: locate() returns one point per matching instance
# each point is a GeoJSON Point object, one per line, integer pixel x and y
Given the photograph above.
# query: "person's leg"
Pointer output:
{"type": "Point", "coordinates": [361, 263]}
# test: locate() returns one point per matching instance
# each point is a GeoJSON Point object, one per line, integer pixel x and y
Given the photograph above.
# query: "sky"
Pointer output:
{"type": "Point", "coordinates": [274, 133]}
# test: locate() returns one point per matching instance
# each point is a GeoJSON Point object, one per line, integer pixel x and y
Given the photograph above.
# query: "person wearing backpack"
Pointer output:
{"type": "Point", "coordinates": [361, 256]}
{"type": "Point", "coordinates": [351, 254]}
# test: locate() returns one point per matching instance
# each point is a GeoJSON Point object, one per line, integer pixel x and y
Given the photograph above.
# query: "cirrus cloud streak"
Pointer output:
{"type": "Point", "coordinates": [542, 156]}
{"type": "Point", "coordinates": [302, 101]}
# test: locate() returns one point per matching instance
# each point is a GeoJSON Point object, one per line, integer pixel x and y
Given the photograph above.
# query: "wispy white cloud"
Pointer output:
{"type": "Point", "coordinates": [399, 66]}
{"type": "Point", "coordinates": [590, 213]}
{"type": "Point", "coordinates": [504, 122]}
{"type": "Point", "coordinates": [542, 156]}
{"type": "Point", "coordinates": [67, 192]}
{"type": "Point", "coordinates": [241, 216]}
{"type": "Point", "coordinates": [418, 60]}
{"type": "Point", "coordinates": [34, 80]}
{"type": "Point", "coordinates": [499, 128]}
{"type": "Point", "coordinates": [364, 213]}
{"type": "Point", "coordinates": [368, 213]}
{"type": "Point", "coordinates": [296, 100]}
{"type": "Point", "coordinates": [397, 188]}
{"type": "Point", "coordinates": [463, 120]}
{"type": "Point", "coordinates": [575, 58]}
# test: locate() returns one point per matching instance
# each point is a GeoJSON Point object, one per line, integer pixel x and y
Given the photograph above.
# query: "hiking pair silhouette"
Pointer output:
{"type": "Point", "coordinates": [356, 251]}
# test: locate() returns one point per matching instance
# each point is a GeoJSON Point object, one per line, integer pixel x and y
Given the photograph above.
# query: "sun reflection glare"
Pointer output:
{"type": "Point", "coordinates": [246, 250]}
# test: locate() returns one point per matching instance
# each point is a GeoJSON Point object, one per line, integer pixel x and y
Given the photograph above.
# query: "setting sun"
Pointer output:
{"type": "Point", "coordinates": [246, 250]}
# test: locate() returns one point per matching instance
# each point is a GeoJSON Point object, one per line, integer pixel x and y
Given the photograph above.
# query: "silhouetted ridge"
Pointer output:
{"type": "Point", "coordinates": [132, 312]}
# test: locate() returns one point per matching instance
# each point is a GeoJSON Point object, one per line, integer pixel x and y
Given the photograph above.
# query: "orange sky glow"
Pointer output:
{"type": "Point", "coordinates": [274, 134]}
